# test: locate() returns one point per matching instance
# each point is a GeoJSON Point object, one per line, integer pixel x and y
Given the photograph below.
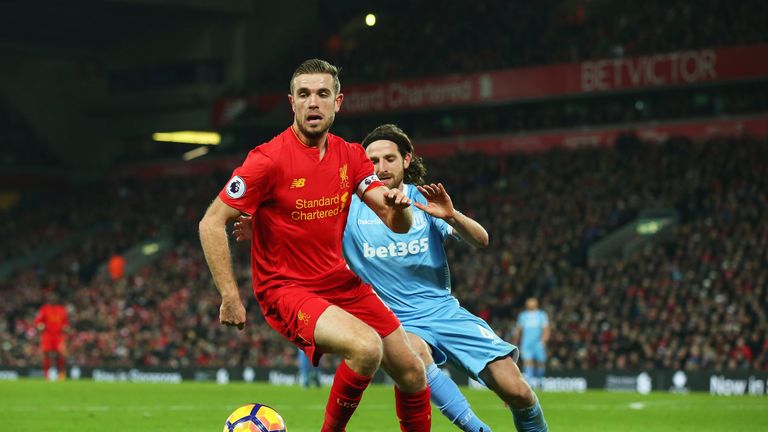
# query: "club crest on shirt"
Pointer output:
{"type": "Point", "coordinates": [236, 187]}
{"type": "Point", "coordinates": [303, 317]}
{"type": "Point", "coordinates": [343, 177]}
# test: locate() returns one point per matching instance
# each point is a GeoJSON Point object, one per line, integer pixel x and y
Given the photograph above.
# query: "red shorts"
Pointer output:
{"type": "Point", "coordinates": [52, 342]}
{"type": "Point", "coordinates": [295, 311]}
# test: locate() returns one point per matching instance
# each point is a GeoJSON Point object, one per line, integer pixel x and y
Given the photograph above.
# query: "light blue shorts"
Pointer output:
{"type": "Point", "coordinates": [533, 351]}
{"type": "Point", "coordinates": [457, 336]}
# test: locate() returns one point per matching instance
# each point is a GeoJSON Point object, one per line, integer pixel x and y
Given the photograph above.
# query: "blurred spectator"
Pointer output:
{"type": "Point", "coordinates": [116, 267]}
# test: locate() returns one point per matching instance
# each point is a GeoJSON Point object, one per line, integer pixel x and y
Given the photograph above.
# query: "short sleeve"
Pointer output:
{"type": "Point", "coordinates": [544, 319]}
{"type": "Point", "coordinates": [251, 183]}
{"type": "Point", "coordinates": [445, 229]}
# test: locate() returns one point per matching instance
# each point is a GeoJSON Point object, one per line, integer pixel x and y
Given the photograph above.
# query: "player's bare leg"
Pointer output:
{"type": "Point", "coordinates": [445, 393]}
{"type": "Point", "coordinates": [402, 364]}
{"type": "Point", "coordinates": [341, 333]}
{"type": "Point", "coordinates": [411, 391]}
{"type": "Point", "coordinates": [504, 378]}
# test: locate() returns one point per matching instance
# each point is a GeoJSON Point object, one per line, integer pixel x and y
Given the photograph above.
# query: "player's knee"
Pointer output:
{"type": "Point", "coordinates": [413, 376]}
{"type": "Point", "coordinates": [421, 349]}
{"type": "Point", "coordinates": [424, 353]}
{"type": "Point", "coordinates": [368, 351]}
{"type": "Point", "coordinates": [519, 394]}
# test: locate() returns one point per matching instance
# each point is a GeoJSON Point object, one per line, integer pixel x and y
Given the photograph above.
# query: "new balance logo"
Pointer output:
{"type": "Point", "coordinates": [297, 183]}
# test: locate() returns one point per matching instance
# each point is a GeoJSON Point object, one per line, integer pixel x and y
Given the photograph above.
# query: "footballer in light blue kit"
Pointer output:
{"type": "Point", "coordinates": [410, 273]}
{"type": "Point", "coordinates": [533, 324]}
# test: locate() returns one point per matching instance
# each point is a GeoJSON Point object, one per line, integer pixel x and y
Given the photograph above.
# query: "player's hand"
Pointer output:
{"type": "Point", "coordinates": [439, 203]}
{"type": "Point", "coordinates": [396, 199]}
{"type": "Point", "coordinates": [232, 313]}
{"type": "Point", "coordinates": [243, 228]}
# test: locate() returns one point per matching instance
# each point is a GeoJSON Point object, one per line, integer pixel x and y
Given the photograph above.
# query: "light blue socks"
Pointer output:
{"type": "Point", "coordinates": [530, 419]}
{"type": "Point", "coordinates": [448, 398]}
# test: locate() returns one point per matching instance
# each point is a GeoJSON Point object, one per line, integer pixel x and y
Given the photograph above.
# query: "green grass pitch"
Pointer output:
{"type": "Point", "coordinates": [89, 406]}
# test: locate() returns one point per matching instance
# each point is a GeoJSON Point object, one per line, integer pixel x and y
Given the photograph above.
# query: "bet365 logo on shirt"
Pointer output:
{"type": "Point", "coordinates": [396, 249]}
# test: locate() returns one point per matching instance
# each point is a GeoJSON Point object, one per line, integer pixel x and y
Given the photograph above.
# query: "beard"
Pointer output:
{"type": "Point", "coordinates": [314, 133]}
{"type": "Point", "coordinates": [395, 181]}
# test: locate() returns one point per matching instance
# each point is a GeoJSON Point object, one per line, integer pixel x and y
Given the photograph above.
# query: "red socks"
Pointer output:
{"type": "Point", "coordinates": [346, 392]}
{"type": "Point", "coordinates": [413, 410]}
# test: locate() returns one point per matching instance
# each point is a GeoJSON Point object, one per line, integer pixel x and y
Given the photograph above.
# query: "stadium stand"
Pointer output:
{"type": "Point", "coordinates": [20, 145]}
{"type": "Point", "coordinates": [517, 34]}
{"type": "Point", "coordinates": [569, 113]}
{"type": "Point", "coordinates": [698, 302]}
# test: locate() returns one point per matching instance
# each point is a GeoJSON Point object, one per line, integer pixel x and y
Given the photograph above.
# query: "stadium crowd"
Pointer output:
{"type": "Point", "coordinates": [697, 302]}
{"type": "Point", "coordinates": [662, 106]}
{"type": "Point", "coordinates": [431, 40]}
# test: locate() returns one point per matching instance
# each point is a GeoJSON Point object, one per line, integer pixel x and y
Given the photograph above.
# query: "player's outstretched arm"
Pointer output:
{"type": "Point", "coordinates": [213, 238]}
{"type": "Point", "coordinates": [439, 205]}
{"type": "Point", "coordinates": [392, 207]}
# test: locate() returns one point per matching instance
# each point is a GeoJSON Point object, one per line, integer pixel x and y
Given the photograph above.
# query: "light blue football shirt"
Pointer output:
{"type": "Point", "coordinates": [532, 325]}
{"type": "Point", "coordinates": [409, 271]}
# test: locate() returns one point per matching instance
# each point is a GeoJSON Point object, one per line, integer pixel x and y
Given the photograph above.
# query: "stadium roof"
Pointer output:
{"type": "Point", "coordinates": [86, 28]}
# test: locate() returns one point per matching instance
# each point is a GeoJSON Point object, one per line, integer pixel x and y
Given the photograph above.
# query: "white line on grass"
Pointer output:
{"type": "Point", "coordinates": [144, 408]}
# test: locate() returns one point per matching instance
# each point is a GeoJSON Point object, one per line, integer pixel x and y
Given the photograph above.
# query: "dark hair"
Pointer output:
{"type": "Point", "coordinates": [317, 66]}
{"type": "Point", "coordinates": [416, 171]}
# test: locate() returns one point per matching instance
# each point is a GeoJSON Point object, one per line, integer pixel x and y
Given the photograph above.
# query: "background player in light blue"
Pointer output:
{"type": "Point", "coordinates": [308, 374]}
{"type": "Point", "coordinates": [533, 324]}
{"type": "Point", "coordinates": [410, 273]}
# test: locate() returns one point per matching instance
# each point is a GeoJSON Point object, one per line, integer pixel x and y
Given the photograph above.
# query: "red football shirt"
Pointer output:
{"type": "Point", "coordinates": [53, 317]}
{"type": "Point", "coordinates": [299, 205]}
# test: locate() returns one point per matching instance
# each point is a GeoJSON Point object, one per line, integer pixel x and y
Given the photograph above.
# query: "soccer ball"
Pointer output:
{"type": "Point", "coordinates": [255, 418]}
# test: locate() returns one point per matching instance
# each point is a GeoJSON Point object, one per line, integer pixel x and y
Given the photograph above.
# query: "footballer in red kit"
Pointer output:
{"type": "Point", "coordinates": [52, 319]}
{"type": "Point", "coordinates": [301, 204]}
{"type": "Point", "coordinates": [297, 190]}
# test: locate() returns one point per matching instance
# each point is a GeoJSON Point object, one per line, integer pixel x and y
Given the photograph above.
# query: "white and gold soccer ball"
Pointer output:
{"type": "Point", "coordinates": [255, 418]}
